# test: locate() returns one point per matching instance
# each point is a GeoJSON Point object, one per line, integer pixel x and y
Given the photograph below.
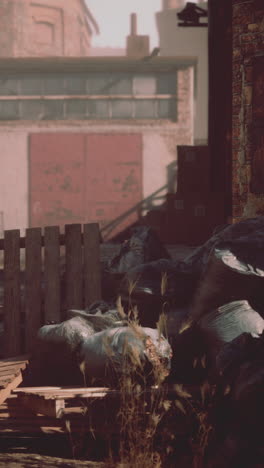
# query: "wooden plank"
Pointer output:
{"type": "Point", "coordinates": [31, 427]}
{"type": "Point", "coordinates": [92, 267]}
{"type": "Point", "coordinates": [22, 242]}
{"type": "Point", "coordinates": [33, 286]}
{"type": "Point", "coordinates": [52, 274]}
{"type": "Point", "coordinates": [39, 405]}
{"type": "Point", "coordinates": [5, 392]}
{"type": "Point", "coordinates": [74, 267]}
{"type": "Point", "coordinates": [63, 389]}
{"type": "Point", "coordinates": [66, 394]}
{"type": "Point", "coordinates": [12, 296]}
{"type": "Point", "coordinates": [7, 366]}
{"type": "Point", "coordinates": [16, 359]}
{"type": "Point", "coordinates": [9, 372]}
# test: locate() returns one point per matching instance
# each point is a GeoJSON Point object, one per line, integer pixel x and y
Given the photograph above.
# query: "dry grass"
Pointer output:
{"type": "Point", "coordinates": [151, 424]}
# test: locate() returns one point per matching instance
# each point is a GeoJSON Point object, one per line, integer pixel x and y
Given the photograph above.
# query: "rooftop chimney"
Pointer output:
{"type": "Point", "coordinates": [136, 46]}
{"type": "Point", "coordinates": [133, 24]}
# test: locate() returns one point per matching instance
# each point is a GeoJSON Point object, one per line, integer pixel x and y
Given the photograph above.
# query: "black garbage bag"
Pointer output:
{"type": "Point", "coordinates": [190, 359]}
{"type": "Point", "coordinates": [241, 365]}
{"type": "Point", "coordinates": [157, 287]}
{"type": "Point", "coordinates": [100, 315]}
{"type": "Point", "coordinates": [235, 271]}
{"type": "Point", "coordinates": [195, 349]}
{"type": "Point", "coordinates": [131, 351]}
{"type": "Point", "coordinates": [228, 322]}
{"type": "Point", "coordinates": [143, 246]}
{"type": "Point", "coordinates": [252, 228]}
{"type": "Point", "coordinates": [232, 320]}
{"type": "Point", "coordinates": [53, 360]}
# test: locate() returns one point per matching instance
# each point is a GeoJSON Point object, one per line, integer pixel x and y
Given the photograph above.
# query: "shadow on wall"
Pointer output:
{"type": "Point", "coordinates": [154, 202]}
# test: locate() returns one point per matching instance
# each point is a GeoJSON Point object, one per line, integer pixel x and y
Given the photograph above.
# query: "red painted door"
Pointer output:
{"type": "Point", "coordinates": [56, 179]}
{"type": "Point", "coordinates": [85, 178]}
{"type": "Point", "coordinates": [113, 187]}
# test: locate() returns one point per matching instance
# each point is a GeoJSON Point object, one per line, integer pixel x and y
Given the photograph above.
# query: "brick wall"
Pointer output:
{"type": "Point", "coordinates": [45, 28]}
{"type": "Point", "coordinates": [248, 118]}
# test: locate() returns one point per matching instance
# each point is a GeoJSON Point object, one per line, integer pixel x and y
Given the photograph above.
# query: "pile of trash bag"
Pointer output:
{"type": "Point", "coordinates": [212, 303]}
{"type": "Point", "coordinates": [97, 347]}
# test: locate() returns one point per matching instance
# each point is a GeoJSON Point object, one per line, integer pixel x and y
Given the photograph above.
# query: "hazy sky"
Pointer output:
{"type": "Point", "coordinates": [113, 17]}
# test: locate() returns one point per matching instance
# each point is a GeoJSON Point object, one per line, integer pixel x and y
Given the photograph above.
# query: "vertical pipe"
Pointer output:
{"type": "Point", "coordinates": [133, 24]}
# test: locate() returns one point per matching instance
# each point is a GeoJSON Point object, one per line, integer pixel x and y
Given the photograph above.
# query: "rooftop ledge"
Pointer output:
{"type": "Point", "coordinates": [94, 64]}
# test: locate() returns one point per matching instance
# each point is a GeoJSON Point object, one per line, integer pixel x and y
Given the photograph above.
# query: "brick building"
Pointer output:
{"type": "Point", "coordinates": [90, 139]}
{"type": "Point", "coordinates": [85, 139]}
{"type": "Point", "coordinates": [248, 109]}
{"type": "Point", "coordinates": [45, 28]}
{"type": "Point", "coordinates": [236, 123]}
{"type": "Point", "coordinates": [233, 187]}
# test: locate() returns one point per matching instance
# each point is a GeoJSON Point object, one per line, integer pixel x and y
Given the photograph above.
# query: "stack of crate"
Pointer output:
{"type": "Point", "coordinates": [195, 209]}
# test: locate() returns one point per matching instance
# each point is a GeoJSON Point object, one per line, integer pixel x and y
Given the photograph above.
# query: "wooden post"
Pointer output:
{"type": "Point", "coordinates": [33, 291]}
{"type": "Point", "coordinates": [220, 99]}
{"type": "Point", "coordinates": [12, 294]}
{"type": "Point", "coordinates": [74, 267]}
{"type": "Point", "coordinates": [52, 274]}
{"type": "Point", "coordinates": [92, 267]}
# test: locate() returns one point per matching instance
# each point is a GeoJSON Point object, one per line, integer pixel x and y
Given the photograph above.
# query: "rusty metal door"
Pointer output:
{"type": "Point", "coordinates": [84, 178]}
{"type": "Point", "coordinates": [56, 176]}
{"type": "Point", "coordinates": [113, 189]}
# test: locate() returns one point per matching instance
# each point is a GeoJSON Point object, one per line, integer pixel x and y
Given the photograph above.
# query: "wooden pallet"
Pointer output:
{"type": "Point", "coordinates": [11, 375]}
{"type": "Point", "coordinates": [55, 402]}
{"type": "Point", "coordinates": [19, 420]}
{"type": "Point", "coordinates": [49, 410]}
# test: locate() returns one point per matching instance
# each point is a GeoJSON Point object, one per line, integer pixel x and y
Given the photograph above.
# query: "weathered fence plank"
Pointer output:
{"type": "Point", "coordinates": [12, 294]}
{"type": "Point", "coordinates": [47, 290]}
{"type": "Point", "coordinates": [74, 266]}
{"type": "Point", "coordinates": [33, 291]}
{"type": "Point", "coordinates": [52, 308]}
{"type": "Point", "coordinates": [92, 269]}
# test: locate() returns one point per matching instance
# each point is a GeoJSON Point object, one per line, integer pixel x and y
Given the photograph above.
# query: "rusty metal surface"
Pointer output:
{"type": "Point", "coordinates": [113, 186]}
{"type": "Point", "coordinates": [56, 179]}
{"type": "Point", "coordinates": [80, 178]}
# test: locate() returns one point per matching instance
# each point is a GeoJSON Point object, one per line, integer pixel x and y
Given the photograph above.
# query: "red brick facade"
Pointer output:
{"type": "Point", "coordinates": [248, 113]}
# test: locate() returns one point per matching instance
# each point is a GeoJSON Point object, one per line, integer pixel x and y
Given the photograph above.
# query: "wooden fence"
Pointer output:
{"type": "Point", "coordinates": [62, 271]}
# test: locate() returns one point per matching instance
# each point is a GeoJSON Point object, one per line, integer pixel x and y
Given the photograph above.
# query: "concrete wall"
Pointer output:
{"type": "Point", "coordinates": [14, 178]}
{"type": "Point", "coordinates": [192, 42]}
{"type": "Point", "coordinates": [44, 28]}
